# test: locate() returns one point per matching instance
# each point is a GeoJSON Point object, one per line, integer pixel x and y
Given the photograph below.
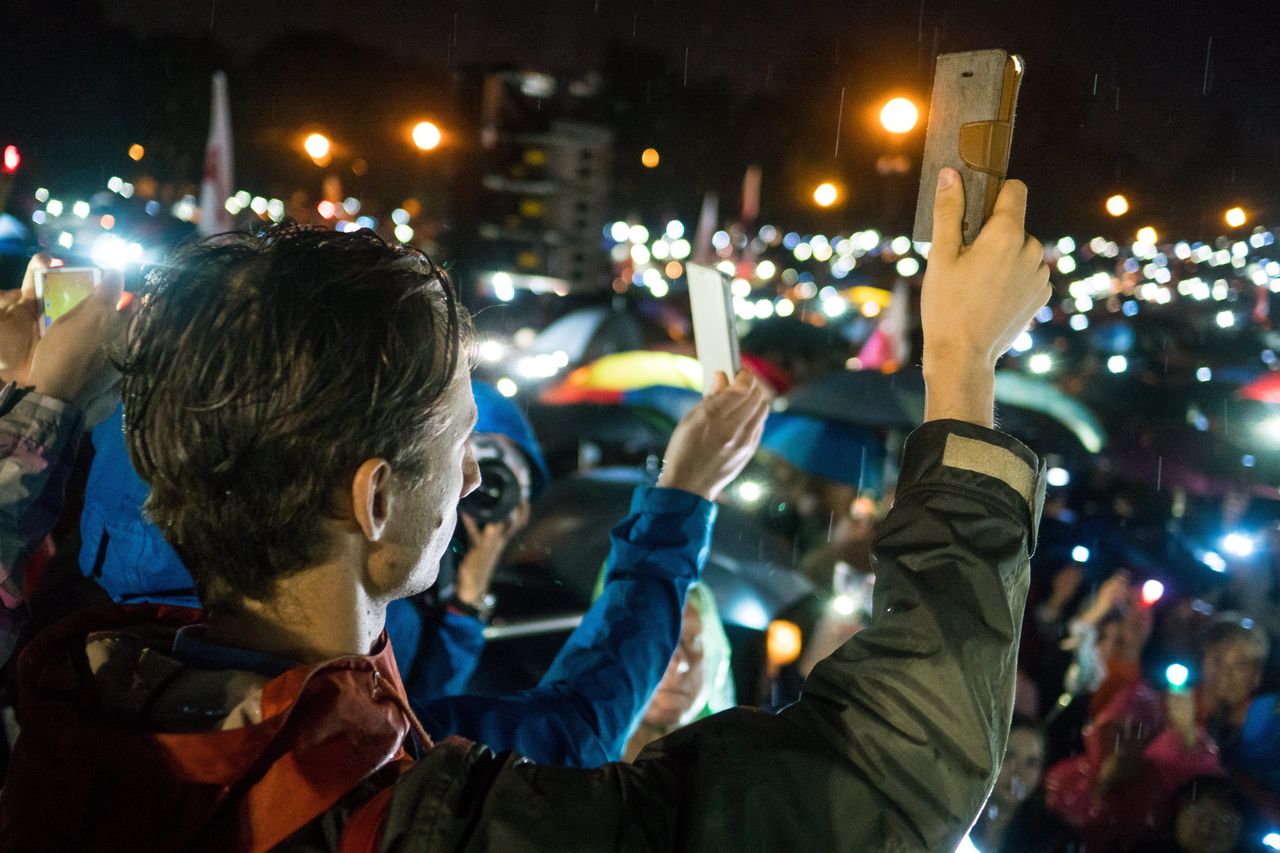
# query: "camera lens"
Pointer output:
{"type": "Point", "coordinates": [497, 495]}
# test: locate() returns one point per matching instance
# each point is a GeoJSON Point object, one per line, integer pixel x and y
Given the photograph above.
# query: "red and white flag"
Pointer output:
{"type": "Point", "coordinates": [216, 187]}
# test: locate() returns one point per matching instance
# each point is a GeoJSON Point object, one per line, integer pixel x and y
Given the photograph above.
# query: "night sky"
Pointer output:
{"type": "Point", "coordinates": [1173, 103]}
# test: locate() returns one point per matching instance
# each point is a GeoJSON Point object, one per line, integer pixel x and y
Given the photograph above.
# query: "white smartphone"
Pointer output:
{"type": "Point", "coordinates": [59, 289]}
{"type": "Point", "coordinates": [714, 333]}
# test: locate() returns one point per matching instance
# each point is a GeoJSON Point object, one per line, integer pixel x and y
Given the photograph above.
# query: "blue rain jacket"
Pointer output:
{"type": "Point", "coordinates": [586, 707]}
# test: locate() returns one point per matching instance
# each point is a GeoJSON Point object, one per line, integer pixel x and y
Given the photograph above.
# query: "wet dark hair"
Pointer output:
{"type": "Point", "coordinates": [261, 371]}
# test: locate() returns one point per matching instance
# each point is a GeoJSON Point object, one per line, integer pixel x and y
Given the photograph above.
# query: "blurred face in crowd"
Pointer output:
{"type": "Point", "coordinates": [1022, 768]}
{"type": "Point", "coordinates": [1208, 825]}
{"type": "Point", "coordinates": [682, 685]}
{"type": "Point", "coordinates": [1230, 674]}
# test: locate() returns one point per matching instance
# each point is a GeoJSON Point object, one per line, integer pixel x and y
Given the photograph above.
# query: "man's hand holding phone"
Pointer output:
{"type": "Point", "coordinates": [717, 438]}
{"type": "Point", "coordinates": [70, 362]}
{"type": "Point", "coordinates": [976, 299]}
{"type": "Point", "coordinates": [19, 324]}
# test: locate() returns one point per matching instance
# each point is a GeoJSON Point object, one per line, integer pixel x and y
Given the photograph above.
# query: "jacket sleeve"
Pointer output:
{"type": "Point", "coordinates": [437, 649]}
{"type": "Point", "coordinates": [585, 708]}
{"type": "Point", "coordinates": [894, 744]}
{"type": "Point", "coordinates": [38, 440]}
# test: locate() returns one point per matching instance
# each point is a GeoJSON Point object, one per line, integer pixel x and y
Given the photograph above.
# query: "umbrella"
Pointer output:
{"type": "Point", "coordinates": [837, 451]}
{"type": "Point", "coordinates": [1030, 409]}
{"type": "Point", "coordinates": [1265, 389]}
{"type": "Point", "coordinates": [559, 554]}
{"type": "Point", "coordinates": [618, 431]}
{"type": "Point", "coordinates": [668, 401]}
{"type": "Point", "coordinates": [588, 333]}
{"type": "Point", "coordinates": [625, 371]}
{"type": "Point", "coordinates": [1023, 392]}
{"type": "Point", "coordinates": [862, 398]}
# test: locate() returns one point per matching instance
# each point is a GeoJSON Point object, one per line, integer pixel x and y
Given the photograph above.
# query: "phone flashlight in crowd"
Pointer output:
{"type": "Point", "coordinates": [1080, 554]}
{"type": "Point", "coordinates": [1152, 591]}
{"type": "Point", "coordinates": [1271, 841]}
{"type": "Point", "coordinates": [1239, 545]}
{"type": "Point", "coordinates": [1176, 675]}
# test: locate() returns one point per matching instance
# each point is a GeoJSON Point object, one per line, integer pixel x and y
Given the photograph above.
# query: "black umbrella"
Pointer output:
{"type": "Point", "coordinates": [621, 434]}
{"type": "Point", "coordinates": [555, 561]}
{"type": "Point", "coordinates": [861, 397]}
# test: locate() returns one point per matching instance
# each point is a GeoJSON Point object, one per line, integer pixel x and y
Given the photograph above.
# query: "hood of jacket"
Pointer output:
{"type": "Point", "coordinates": [124, 746]}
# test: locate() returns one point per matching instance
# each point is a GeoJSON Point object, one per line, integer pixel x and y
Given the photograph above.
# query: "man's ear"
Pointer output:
{"type": "Point", "coordinates": [371, 497]}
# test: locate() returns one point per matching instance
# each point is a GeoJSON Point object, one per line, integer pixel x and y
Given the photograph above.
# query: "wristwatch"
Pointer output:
{"type": "Point", "coordinates": [482, 611]}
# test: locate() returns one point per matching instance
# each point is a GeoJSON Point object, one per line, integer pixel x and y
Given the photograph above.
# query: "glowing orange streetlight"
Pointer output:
{"type": "Point", "coordinates": [826, 194]}
{"type": "Point", "coordinates": [1117, 205]}
{"type": "Point", "coordinates": [649, 158]}
{"type": "Point", "coordinates": [899, 115]}
{"type": "Point", "coordinates": [427, 136]}
{"type": "Point", "coordinates": [317, 146]}
{"type": "Point", "coordinates": [1236, 217]}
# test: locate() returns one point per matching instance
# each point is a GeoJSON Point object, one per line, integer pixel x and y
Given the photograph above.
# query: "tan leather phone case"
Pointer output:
{"type": "Point", "coordinates": [971, 113]}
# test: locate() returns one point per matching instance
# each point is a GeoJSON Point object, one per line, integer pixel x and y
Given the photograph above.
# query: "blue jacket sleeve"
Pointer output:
{"type": "Point", "coordinates": [586, 706]}
{"type": "Point", "coordinates": [437, 651]}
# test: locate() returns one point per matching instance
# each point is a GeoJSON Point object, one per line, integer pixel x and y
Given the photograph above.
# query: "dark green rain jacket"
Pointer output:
{"type": "Point", "coordinates": [893, 746]}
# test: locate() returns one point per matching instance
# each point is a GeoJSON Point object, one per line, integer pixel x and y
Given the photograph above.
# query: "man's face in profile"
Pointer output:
{"type": "Point", "coordinates": [421, 528]}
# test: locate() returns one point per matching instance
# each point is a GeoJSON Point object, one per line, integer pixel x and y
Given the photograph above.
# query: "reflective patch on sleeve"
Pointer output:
{"type": "Point", "coordinates": [970, 454]}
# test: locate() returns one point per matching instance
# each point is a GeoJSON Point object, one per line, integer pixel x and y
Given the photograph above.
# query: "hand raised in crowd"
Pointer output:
{"type": "Point", "coordinates": [717, 438]}
{"type": "Point", "coordinates": [70, 362]}
{"type": "Point", "coordinates": [976, 299]}
{"type": "Point", "coordinates": [1113, 593]}
{"type": "Point", "coordinates": [20, 325]}
{"type": "Point", "coordinates": [487, 542]}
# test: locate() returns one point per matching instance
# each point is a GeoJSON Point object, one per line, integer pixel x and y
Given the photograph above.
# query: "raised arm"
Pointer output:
{"type": "Point", "coordinates": [898, 736]}
{"type": "Point", "coordinates": [41, 422]}
{"type": "Point", "coordinates": [586, 706]}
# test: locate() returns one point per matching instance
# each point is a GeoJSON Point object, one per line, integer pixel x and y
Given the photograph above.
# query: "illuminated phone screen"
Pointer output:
{"type": "Point", "coordinates": [61, 289]}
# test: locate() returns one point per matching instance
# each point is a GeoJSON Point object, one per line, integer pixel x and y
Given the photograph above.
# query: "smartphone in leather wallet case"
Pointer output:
{"type": "Point", "coordinates": [975, 95]}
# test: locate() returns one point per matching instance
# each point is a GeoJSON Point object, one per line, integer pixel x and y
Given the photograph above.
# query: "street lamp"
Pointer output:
{"type": "Point", "coordinates": [826, 194]}
{"type": "Point", "coordinates": [427, 136]}
{"type": "Point", "coordinates": [1117, 205]}
{"type": "Point", "coordinates": [317, 146]}
{"type": "Point", "coordinates": [899, 116]}
{"type": "Point", "coordinates": [650, 158]}
{"type": "Point", "coordinates": [1236, 217]}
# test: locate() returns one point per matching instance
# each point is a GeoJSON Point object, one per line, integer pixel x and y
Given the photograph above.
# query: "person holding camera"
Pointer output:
{"type": "Point", "coordinates": [588, 703]}
{"type": "Point", "coordinates": [310, 474]}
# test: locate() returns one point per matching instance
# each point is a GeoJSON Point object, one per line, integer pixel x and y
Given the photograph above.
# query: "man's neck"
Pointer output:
{"type": "Point", "coordinates": [315, 615]}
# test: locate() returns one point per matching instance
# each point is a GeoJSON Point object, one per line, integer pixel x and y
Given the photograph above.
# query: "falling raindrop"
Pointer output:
{"type": "Point", "coordinates": [686, 66]}
{"type": "Point", "coordinates": [1208, 51]}
{"type": "Point", "coordinates": [839, 121]}
{"type": "Point", "coordinates": [831, 523]}
{"type": "Point", "coordinates": [1159, 471]}
{"type": "Point", "coordinates": [1095, 84]}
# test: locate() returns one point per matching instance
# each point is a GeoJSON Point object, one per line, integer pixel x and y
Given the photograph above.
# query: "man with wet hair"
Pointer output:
{"type": "Point", "coordinates": [299, 404]}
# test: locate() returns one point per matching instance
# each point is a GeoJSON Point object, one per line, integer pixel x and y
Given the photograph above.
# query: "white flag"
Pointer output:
{"type": "Point", "coordinates": [216, 188]}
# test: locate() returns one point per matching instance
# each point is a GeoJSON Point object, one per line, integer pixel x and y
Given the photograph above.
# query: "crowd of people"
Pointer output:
{"type": "Point", "coordinates": [232, 617]}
